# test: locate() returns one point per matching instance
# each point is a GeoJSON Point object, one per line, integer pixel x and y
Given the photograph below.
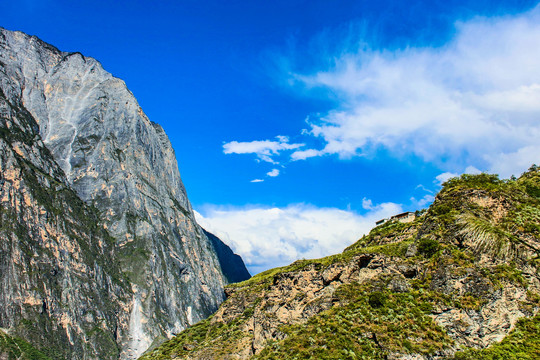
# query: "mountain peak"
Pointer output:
{"type": "Point", "coordinates": [112, 158]}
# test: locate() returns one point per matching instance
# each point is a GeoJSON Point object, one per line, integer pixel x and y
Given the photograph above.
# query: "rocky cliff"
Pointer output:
{"type": "Point", "coordinates": [60, 286]}
{"type": "Point", "coordinates": [451, 284]}
{"type": "Point", "coordinates": [101, 145]}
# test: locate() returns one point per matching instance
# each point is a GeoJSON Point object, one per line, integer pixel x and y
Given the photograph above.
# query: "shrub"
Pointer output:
{"type": "Point", "coordinates": [428, 247]}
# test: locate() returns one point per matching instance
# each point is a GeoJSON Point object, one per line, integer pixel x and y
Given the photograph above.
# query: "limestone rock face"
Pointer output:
{"type": "Point", "coordinates": [60, 285]}
{"type": "Point", "coordinates": [120, 162]}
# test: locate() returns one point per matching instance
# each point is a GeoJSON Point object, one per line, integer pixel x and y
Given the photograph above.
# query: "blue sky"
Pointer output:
{"type": "Point", "coordinates": [297, 124]}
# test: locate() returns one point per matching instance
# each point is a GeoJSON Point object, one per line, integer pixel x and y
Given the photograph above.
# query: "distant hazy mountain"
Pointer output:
{"type": "Point", "coordinates": [232, 265]}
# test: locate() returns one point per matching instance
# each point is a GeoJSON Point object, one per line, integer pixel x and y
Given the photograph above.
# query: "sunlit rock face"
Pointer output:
{"type": "Point", "coordinates": [123, 164]}
{"type": "Point", "coordinates": [60, 284]}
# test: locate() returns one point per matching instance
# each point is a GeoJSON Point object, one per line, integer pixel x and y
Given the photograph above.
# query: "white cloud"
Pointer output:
{"type": "Point", "coordinates": [423, 202]}
{"type": "Point", "coordinates": [440, 179]}
{"type": "Point", "coordinates": [367, 204]}
{"type": "Point", "coordinates": [264, 149]}
{"type": "Point", "coordinates": [304, 154]}
{"type": "Point", "coordinates": [267, 237]}
{"type": "Point", "coordinates": [472, 170]}
{"type": "Point", "coordinates": [516, 162]}
{"type": "Point", "coordinates": [273, 173]}
{"type": "Point", "coordinates": [257, 180]}
{"type": "Point", "coordinates": [422, 187]}
{"type": "Point", "coordinates": [475, 100]}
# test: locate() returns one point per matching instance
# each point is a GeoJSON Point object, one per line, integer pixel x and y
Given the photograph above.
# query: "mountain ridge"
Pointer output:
{"type": "Point", "coordinates": [451, 284]}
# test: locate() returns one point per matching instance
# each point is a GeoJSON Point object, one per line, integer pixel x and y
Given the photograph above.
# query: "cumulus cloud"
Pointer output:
{"type": "Point", "coordinates": [475, 100]}
{"type": "Point", "coordinates": [264, 149]}
{"type": "Point", "coordinates": [267, 237]}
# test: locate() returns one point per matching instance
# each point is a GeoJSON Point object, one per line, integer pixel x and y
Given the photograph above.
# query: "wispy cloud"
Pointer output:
{"type": "Point", "coordinates": [423, 202]}
{"type": "Point", "coordinates": [257, 180]}
{"type": "Point", "coordinates": [367, 204]}
{"type": "Point", "coordinates": [267, 237]}
{"type": "Point", "coordinates": [273, 173]}
{"type": "Point", "coordinates": [475, 100]}
{"type": "Point", "coordinates": [265, 150]}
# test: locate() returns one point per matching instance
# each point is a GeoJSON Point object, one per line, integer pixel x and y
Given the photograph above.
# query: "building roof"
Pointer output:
{"type": "Point", "coordinates": [406, 213]}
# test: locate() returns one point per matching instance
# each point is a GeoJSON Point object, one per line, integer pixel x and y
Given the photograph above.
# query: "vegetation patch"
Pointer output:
{"type": "Point", "coordinates": [428, 247]}
{"type": "Point", "coordinates": [15, 348]}
{"type": "Point", "coordinates": [369, 324]}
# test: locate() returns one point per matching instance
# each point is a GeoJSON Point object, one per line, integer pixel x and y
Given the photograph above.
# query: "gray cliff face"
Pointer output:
{"type": "Point", "coordinates": [124, 165]}
{"type": "Point", "coordinates": [60, 285]}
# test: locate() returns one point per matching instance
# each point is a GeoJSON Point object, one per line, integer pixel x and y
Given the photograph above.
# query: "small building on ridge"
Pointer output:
{"type": "Point", "coordinates": [405, 217]}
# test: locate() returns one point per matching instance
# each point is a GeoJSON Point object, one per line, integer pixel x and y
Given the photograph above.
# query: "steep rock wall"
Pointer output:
{"type": "Point", "coordinates": [124, 165]}
{"type": "Point", "coordinates": [60, 285]}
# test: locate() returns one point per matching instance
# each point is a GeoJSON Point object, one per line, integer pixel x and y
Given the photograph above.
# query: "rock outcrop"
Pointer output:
{"type": "Point", "coordinates": [453, 283]}
{"type": "Point", "coordinates": [102, 145]}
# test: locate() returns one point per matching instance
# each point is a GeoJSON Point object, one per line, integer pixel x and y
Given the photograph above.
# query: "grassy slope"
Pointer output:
{"type": "Point", "coordinates": [369, 321]}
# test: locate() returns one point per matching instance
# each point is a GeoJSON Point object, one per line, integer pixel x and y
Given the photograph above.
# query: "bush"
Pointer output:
{"type": "Point", "coordinates": [480, 181]}
{"type": "Point", "coordinates": [428, 247]}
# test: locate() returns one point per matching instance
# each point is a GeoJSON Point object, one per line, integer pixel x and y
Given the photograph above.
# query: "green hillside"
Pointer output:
{"type": "Point", "coordinates": [454, 281]}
